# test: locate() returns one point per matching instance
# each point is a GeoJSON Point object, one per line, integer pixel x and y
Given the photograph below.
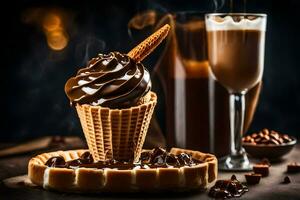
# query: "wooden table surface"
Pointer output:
{"type": "Point", "coordinates": [269, 187]}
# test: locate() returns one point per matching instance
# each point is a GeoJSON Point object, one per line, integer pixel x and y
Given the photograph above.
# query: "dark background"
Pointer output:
{"type": "Point", "coordinates": [33, 102]}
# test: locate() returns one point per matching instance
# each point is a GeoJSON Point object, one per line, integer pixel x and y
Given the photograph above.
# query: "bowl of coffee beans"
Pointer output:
{"type": "Point", "coordinates": [268, 144]}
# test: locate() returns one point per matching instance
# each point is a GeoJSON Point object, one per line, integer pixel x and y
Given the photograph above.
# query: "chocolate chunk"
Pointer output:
{"type": "Point", "coordinates": [145, 157]}
{"type": "Point", "coordinates": [286, 180]}
{"type": "Point", "coordinates": [86, 158]}
{"type": "Point", "coordinates": [56, 161]}
{"type": "Point", "coordinates": [262, 169]}
{"type": "Point", "coordinates": [233, 177]}
{"type": "Point", "coordinates": [159, 160]}
{"type": "Point", "coordinates": [185, 159]}
{"type": "Point", "coordinates": [293, 167]}
{"type": "Point", "coordinates": [170, 159]}
{"type": "Point", "coordinates": [227, 188]}
{"type": "Point", "coordinates": [158, 151]}
{"type": "Point", "coordinates": [252, 178]}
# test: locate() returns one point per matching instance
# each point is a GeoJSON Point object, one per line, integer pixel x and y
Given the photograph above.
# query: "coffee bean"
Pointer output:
{"type": "Point", "coordinates": [265, 131]}
{"type": "Point", "coordinates": [261, 134]}
{"type": "Point", "coordinates": [286, 138]}
{"type": "Point", "coordinates": [280, 140]}
{"type": "Point", "coordinates": [274, 136]}
{"type": "Point", "coordinates": [266, 137]}
{"type": "Point", "coordinates": [273, 141]}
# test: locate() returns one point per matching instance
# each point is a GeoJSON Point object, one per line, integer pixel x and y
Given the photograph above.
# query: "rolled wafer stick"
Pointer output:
{"type": "Point", "coordinates": [142, 50]}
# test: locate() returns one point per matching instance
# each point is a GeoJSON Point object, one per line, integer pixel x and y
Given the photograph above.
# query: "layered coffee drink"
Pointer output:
{"type": "Point", "coordinates": [236, 44]}
{"type": "Point", "coordinates": [236, 51]}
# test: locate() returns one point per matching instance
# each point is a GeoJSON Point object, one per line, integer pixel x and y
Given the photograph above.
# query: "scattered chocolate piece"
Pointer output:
{"type": "Point", "coordinates": [262, 169]}
{"type": "Point", "coordinates": [266, 136]}
{"type": "Point", "coordinates": [228, 188]}
{"type": "Point", "coordinates": [286, 180]}
{"type": "Point", "coordinates": [293, 167]}
{"type": "Point", "coordinates": [253, 178]}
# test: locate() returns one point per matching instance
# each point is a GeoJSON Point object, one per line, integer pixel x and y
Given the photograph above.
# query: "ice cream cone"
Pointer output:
{"type": "Point", "coordinates": [116, 133]}
{"type": "Point", "coordinates": [120, 133]}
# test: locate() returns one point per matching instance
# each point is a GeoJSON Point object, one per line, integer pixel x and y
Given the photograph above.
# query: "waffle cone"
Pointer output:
{"type": "Point", "coordinates": [116, 133]}
{"type": "Point", "coordinates": [149, 44]}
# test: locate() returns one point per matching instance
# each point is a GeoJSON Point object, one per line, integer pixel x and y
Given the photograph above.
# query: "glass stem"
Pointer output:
{"type": "Point", "coordinates": [237, 113]}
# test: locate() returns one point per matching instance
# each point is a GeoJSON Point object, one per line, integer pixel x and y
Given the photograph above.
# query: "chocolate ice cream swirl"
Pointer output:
{"type": "Point", "coordinates": [113, 80]}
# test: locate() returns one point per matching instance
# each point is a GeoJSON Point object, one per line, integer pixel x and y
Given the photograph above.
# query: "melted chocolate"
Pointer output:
{"type": "Point", "coordinates": [56, 161]}
{"type": "Point", "coordinates": [158, 157]}
{"type": "Point", "coordinates": [228, 188]}
{"type": "Point", "coordinates": [113, 80]}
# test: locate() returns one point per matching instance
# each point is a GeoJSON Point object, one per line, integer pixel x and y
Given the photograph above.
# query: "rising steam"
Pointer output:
{"type": "Point", "coordinates": [88, 47]}
{"type": "Point", "coordinates": [218, 4]}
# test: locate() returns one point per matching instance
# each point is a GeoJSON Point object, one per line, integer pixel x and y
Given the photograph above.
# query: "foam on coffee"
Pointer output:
{"type": "Point", "coordinates": [218, 23]}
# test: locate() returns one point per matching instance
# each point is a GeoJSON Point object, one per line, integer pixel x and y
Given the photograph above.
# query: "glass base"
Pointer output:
{"type": "Point", "coordinates": [235, 163]}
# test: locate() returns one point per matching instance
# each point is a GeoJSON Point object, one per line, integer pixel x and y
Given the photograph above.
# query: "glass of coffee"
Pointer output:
{"type": "Point", "coordinates": [236, 44]}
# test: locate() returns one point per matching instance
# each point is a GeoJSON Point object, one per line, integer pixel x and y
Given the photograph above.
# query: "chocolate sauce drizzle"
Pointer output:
{"type": "Point", "coordinates": [155, 158]}
{"type": "Point", "coordinates": [228, 188]}
{"type": "Point", "coordinates": [111, 80]}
